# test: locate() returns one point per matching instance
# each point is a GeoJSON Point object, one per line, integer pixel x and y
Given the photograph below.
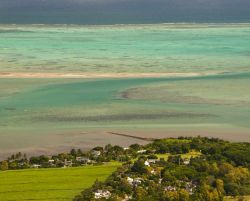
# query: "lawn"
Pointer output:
{"type": "Point", "coordinates": [50, 184]}
{"type": "Point", "coordinates": [187, 155]}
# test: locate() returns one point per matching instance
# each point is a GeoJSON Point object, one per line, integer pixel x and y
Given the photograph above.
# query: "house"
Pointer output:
{"type": "Point", "coordinates": [146, 163]}
{"type": "Point", "coordinates": [51, 163]}
{"type": "Point", "coordinates": [170, 188]}
{"type": "Point", "coordinates": [68, 163]}
{"type": "Point", "coordinates": [102, 194]}
{"type": "Point", "coordinates": [152, 160]}
{"type": "Point", "coordinates": [190, 187]}
{"type": "Point", "coordinates": [186, 161]}
{"type": "Point", "coordinates": [22, 164]}
{"type": "Point", "coordinates": [125, 148]}
{"type": "Point", "coordinates": [35, 166]}
{"type": "Point", "coordinates": [134, 182]}
{"type": "Point", "coordinates": [142, 151]}
{"type": "Point", "coordinates": [160, 180]}
{"type": "Point", "coordinates": [130, 180]}
{"type": "Point", "coordinates": [126, 198]}
{"type": "Point", "coordinates": [137, 181]}
{"type": "Point", "coordinates": [83, 159]}
{"type": "Point", "coordinates": [96, 153]}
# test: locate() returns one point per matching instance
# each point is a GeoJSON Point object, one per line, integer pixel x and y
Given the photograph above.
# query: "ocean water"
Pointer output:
{"type": "Point", "coordinates": [122, 12]}
{"type": "Point", "coordinates": [51, 115]}
{"type": "Point", "coordinates": [138, 48]}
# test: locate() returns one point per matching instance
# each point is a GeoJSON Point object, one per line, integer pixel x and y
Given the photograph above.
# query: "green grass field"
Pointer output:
{"type": "Point", "coordinates": [50, 184]}
{"type": "Point", "coordinates": [187, 155]}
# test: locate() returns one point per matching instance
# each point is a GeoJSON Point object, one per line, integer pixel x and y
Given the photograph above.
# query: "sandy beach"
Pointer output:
{"type": "Point", "coordinates": [99, 75]}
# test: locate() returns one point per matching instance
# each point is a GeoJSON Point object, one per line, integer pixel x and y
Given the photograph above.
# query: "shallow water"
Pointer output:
{"type": "Point", "coordinates": [142, 48]}
{"type": "Point", "coordinates": [50, 115]}
{"type": "Point", "coordinates": [69, 113]}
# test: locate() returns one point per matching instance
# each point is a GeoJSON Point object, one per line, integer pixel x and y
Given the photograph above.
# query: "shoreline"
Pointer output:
{"type": "Point", "coordinates": [101, 75]}
{"type": "Point", "coordinates": [101, 137]}
{"type": "Point", "coordinates": [170, 24]}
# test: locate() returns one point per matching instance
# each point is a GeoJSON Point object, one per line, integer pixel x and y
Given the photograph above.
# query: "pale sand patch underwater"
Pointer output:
{"type": "Point", "coordinates": [101, 75]}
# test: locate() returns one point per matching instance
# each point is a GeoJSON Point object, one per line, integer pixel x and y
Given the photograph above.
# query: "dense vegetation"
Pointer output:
{"type": "Point", "coordinates": [222, 169]}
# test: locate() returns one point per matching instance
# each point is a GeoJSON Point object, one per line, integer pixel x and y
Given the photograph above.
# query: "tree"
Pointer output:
{"type": "Point", "coordinates": [97, 184]}
{"type": "Point", "coordinates": [241, 198]}
{"type": "Point", "coordinates": [13, 165]}
{"type": "Point", "coordinates": [232, 189]}
{"type": "Point", "coordinates": [220, 187]}
{"type": "Point", "coordinates": [124, 186]}
{"type": "Point", "coordinates": [225, 168]}
{"type": "Point", "coordinates": [139, 167]}
{"type": "Point", "coordinates": [79, 152]}
{"type": "Point", "coordinates": [175, 159]}
{"type": "Point", "coordinates": [18, 155]}
{"type": "Point", "coordinates": [86, 195]}
{"type": "Point", "coordinates": [4, 165]}
{"type": "Point", "coordinates": [152, 157]}
{"type": "Point", "coordinates": [108, 147]}
{"type": "Point", "coordinates": [140, 194]}
{"type": "Point", "coordinates": [183, 195]}
{"type": "Point", "coordinates": [98, 149]}
{"type": "Point", "coordinates": [135, 147]}
{"type": "Point", "coordinates": [73, 152]}
{"type": "Point", "coordinates": [171, 196]}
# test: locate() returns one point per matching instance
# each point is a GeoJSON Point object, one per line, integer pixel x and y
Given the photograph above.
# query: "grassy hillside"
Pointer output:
{"type": "Point", "coordinates": [50, 184]}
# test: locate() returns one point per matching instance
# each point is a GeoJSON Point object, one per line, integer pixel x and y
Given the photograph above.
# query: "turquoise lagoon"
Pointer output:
{"type": "Point", "coordinates": [141, 48]}
{"type": "Point", "coordinates": [47, 115]}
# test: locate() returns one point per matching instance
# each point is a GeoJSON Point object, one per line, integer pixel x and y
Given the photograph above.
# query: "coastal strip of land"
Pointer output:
{"type": "Point", "coordinates": [100, 75]}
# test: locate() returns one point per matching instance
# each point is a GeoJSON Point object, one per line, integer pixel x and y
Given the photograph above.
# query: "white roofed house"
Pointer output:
{"type": "Point", "coordinates": [102, 194]}
{"type": "Point", "coordinates": [127, 198]}
{"type": "Point", "coordinates": [51, 161]}
{"type": "Point", "coordinates": [35, 166]}
{"type": "Point", "coordinates": [190, 187]}
{"type": "Point", "coordinates": [96, 153]}
{"type": "Point", "coordinates": [68, 163]}
{"type": "Point", "coordinates": [186, 161]}
{"type": "Point", "coordinates": [138, 181]}
{"type": "Point", "coordinates": [146, 163]}
{"type": "Point", "coordinates": [170, 188]}
{"type": "Point", "coordinates": [82, 159]}
{"type": "Point", "coordinates": [152, 160]}
{"type": "Point", "coordinates": [142, 151]}
{"type": "Point", "coordinates": [130, 180]}
{"type": "Point", "coordinates": [135, 181]}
